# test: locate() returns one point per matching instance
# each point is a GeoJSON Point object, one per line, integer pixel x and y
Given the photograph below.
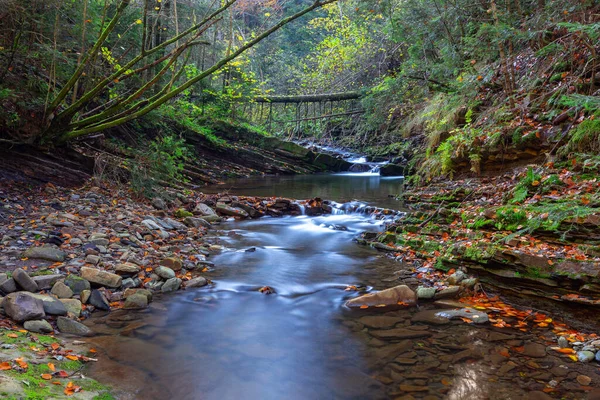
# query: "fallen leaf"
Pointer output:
{"type": "Point", "coordinates": [52, 367]}
{"type": "Point", "coordinates": [72, 358]}
{"type": "Point", "coordinates": [12, 335]}
{"type": "Point", "coordinates": [46, 376]}
{"type": "Point", "coordinates": [5, 366]}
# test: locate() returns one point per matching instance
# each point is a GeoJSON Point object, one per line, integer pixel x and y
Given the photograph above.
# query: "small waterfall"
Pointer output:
{"type": "Point", "coordinates": [301, 207]}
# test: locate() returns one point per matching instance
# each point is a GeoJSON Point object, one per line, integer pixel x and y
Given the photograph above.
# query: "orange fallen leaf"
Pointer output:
{"type": "Point", "coordinates": [46, 376]}
{"type": "Point", "coordinates": [93, 350]}
{"type": "Point", "coordinates": [52, 367]}
{"type": "Point", "coordinates": [12, 335]}
{"type": "Point", "coordinates": [364, 306]}
{"type": "Point", "coordinates": [57, 383]}
{"type": "Point", "coordinates": [72, 358]}
{"type": "Point", "coordinates": [21, 363]}
{"type": "Point", "coordinates": [5, 366]}
{"type": "Point", "coordinates": [565, 350]}
{"type": "Point", "coordinates": [55, 346]}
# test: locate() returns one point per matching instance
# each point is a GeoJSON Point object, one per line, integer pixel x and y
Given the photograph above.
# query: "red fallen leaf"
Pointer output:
{"type": "Point", "coordinates": [55, 346]}
{"type": "Point", "coordinates": [62, 374]}
{"type": "Point", "coordinates": [504, 353]}
{"type": "Point", "coordinates": [57, 383]}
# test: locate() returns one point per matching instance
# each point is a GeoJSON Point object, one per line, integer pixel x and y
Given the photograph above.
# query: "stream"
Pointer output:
{"type": "Point", "coordinates": [229, 341]}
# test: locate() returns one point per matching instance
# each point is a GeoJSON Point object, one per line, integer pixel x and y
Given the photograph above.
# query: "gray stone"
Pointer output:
{"type": "Point", "coordinates": [24, 280]}
{"type": "Point", "coordinates": [148, 223]}
{"type": "Point", "coordinates": [136, 301]}
{"type": "Point", "coordinates": [77, 283]}
{"type": "Point", "coordinates": [98, 300]}
{"type": "Point", "coordinates": [212, 218]}
{"type": "Point", "coordinates": [175, 224]}
{"type": "Point", "coordinates": [45, 282]}
{"type": "Point", "coordinates": [8, 286]}
{"type": "Point", "coordinates": [196, 282]}
{"type": "Point", "coordinates": [61, 291]}
{"type": "Point", "coordinates": [450, 291]}
{"type": "Point", "coordinates": [164, 272]}
{"type": "Point", "coordinates": [478, 317]}
{"type": "Point", "coordinates": [430, 317]}
{"type": "Point", "coordinates": [100, 241]}
{"type": "Point", "coordinates": [84, 296]}
{"type": "Point", "coordinates": [131, 292]}
{"type": "Point", "coordinates": [73, 306]}
{"type": "Point", "coordinates": [391, 170]}
{"type": "Point", "coordinates": [45, 253]}
{"type": "Point", "coordinates": [401, 294]}
{"type": "Point", "coordinates": [598, 356]}
{"type": "Point", "coordinates": [469, 283]}
{"type": "Point", "coordinates": [52, 305]}
{"type": "Point", "coordinates": [66, 325]}
{"type": "Point", "coordinates": [534, 350]}
{"type": "Point", "coordinates": [128, 283]}
{"type": "Point", "coordinates": [456, 277]}
{"type": "Point", "coordinates": [203, 209]}
{"type": "Point", "coordinates": [172, 262]}
{"type": "Point", "coordinates": [92, 259]}
{"type": "Point", "coordinates": [563, 342]}
{"type": "Point", "coordinates": [171, 285]}
{"type": "Point", "coordinates": [21, 306]}
{"type": "Point", "coordinates": [196, 222]}
{"type": "Point", "coordinates": [99, 277]}
{"type": "Point", "coordinates": [38, 326]}
{"type": "Point", "coordinates": [127, 269]}
{"type": "Point", "coordinates": [159, 203]}
{"type": "Point", "coordinates": [425, 292]}
{"type": "Point", "coordinates": [231, 211]}
{"type": "Point", "coordinates": [585, 356]}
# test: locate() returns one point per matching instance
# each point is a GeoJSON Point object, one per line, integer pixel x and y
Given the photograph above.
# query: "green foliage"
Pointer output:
{"type": "Point", "coordinates": [585, 138]}
{"type": "Point", "coordinates": [526, 185]}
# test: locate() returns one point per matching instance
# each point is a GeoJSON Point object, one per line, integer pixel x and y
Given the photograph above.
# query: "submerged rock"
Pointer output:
{"type": "Point", "coordinates": [398, 295]}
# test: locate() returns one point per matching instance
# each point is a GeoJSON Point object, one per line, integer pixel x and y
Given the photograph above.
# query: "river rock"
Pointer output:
{"type": "Point", "coordinates": [84, 296]}
{"type": "Point", "coordinates": [425, 292]}
{"type": "Point", "coordinates": [171, 285]}
{"type": "Point", "coordinates": [46, 282]}
{"type": "Point", "coordinates": [563, 343]}
{"type": "Point", "coordinates": [456, 278]}
{"type": "Point", "coordinates": [20, 306]}
{"type": "Point", "coordinates": [127, 269]}
{"type": "Point", "coordinates": [478, 317]}
{"type": "Point", "coordinates": [164, 272]}
{"type": "Point", "coordinates": [38, 326]}
{"type": "Point", "coordinates": [66, 325]}
{"type": "Point", "coordinates": [400, 333]}
{"type": "Point", "coordinates": [379, 322]}
{"type": "Point", "coordinates": [98, 300]}
{"type": "Point", "coordinates": [598, 356]}
{"type": "Point", "coordinates": [159, 203]}
{"type": "Point", "coordinates": [48, 253]}
{"type": "Point", "coordinates": [212, 218]}
{"type": "Point", "coordinates": [92, 259]}
{"type": "Point", "coordinates": [24, 280]}
{"type": "Point", "coordinates": [231, 211]}
{"type": "Point", "coordinates": [391, 170]}
{"type": "Point", "coordinates": [131, 292]}
{"type": "Point", "coordinates": [585, 356]}
{"type": "Point", "coordinates": [77, 283]}
{"type": "Point", "coordinates": [196, 282]}
{"type": "Point", "coordinates": [534, 350]}
{"type": "Point", "coordinates": [61, 291]}
{"type": "Point", "coordinates": [584, 380]}
{"type": "Point", "coordinates": [136, 301]}
{"type": "Point", "coordinates": [52, 306]}
{"type": "Point", "coordinates": [172, 262]}
{"type": "Point", "coordinates": [73, 306]}
{"type": "Point", "coordinates": [8, 286]}
{"type": "Point", "coordinates": [388, 297]}
{"type": "Point", "coordinates": [203, 209]}
{"type": "Point", "coordinates": [450, 291]}
{"type": "Point", "coordinates": [196, 222]}
{"type": "Point", "coordinates": [430, 317]}
{"type": "Point", "coordinates": [99, 277]}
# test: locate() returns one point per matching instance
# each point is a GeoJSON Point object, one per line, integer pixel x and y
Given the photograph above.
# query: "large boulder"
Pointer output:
{"type": "Point", "coordinates": [48, 253]}
{"type": "Point", "coordinates": [21, 306]}
{"type": "Point", "coordinates": [100, 277]}
{"type": "Point", "coordinates": [66, 325]}
{"type": "Point", "coordinates": [398, 295]}
{"type": "Point", "coordinates": [73, 306]}
{"type": "Point", "coordinates": [24, 280]}
{"type": "Point", "coordinates": [136, 301]}
{"type": "Point", "coordinates": [391, 170]}
{"type": "Point", "coordinates": [52, 305]}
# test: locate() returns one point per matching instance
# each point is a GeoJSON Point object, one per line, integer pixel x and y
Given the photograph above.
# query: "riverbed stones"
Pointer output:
{"type": "Point", "coordinates": [584, 380]}
{"type": "Point", "coordinates": [8, 286]}
{"type": "Point", "coordinates": [585, 356]}
{"type": "Point", "coordinates": [400, 333]}
{"type": "Point", "coordinates": [196, 222]}
{"type": "Point", "coordinates": [61, 291]}
{"type": "Point", "coordinates": [131, 292]}
{"type": "Point", "coordinates": [196, 282]}
{"type": "Point", "coordinates": [476, 316]}
{"type": "Point", "coordinates": [38, 326]}
{"type": "Point", "coordinates": [136, 301]}
{"type": "Point", "coordinates": [47, 253]}
{"type": "Point", "coordinates": [99, 277]}
{"type": "Point", "coordinates": [20, 306]}
{"type": "Point", "coordinates": [92, 259]}
{"type": "Point", "coordinates": [77, 283]}
{"type": "Point", "coordinates": [69, 326]}
{"type": "Point", "coordinates": [379, 322]}
{"type": "Point", "coordinates": [73, 306]}
{"type": "Point", "coordinates": [535, 350]}
{"type": "Point", "coordinates": [401, 294]}
{"type": "Point", "coordinates": [224, 209]}
{"type": "Point", "coordinates": [171, 285]}
{"type": "Point", "coordinates": [127, 268]}
{"type": "Point", "coordinates": [24, 280]}
{"type": "Point", "coordinates": [164, 272]}
{"type": "Point", "coordinates": [563, 343]}
{"type": "Point", "coordinates": [45, 282]}
{"type": "Point", "coordinates": [98, 300]}
{"type": "Point", "coordinates": [52, 305]}
{"type": "Point", "coordinates": [173, 263]}
{"type": "Point", "coordinates": [430, 317]}
{"type": "Point", "coordinates": [456, 278]}
{"type": "Point", "coordinates": [425, 292]}
{"type": "Point", "coordinates": [159, 203]}
{"type": "Point", "coordinates": [203, 209]}
{"type": "Point", "coordinates": [450, 291]}
{"type": "Point", "coordinates": [84, 296]}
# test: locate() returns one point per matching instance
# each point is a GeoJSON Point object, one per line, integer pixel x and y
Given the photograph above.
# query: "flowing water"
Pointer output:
{"type": "Point", "coordinates": [230, 341]}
